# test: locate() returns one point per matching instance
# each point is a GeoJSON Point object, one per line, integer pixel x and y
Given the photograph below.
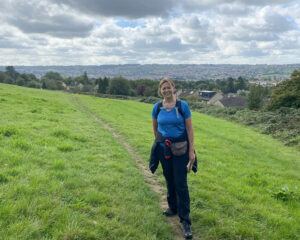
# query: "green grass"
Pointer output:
{"type": "Point", "coordinates": [247, 186]}
{"type": "Point", "coordinates": [62, 176]}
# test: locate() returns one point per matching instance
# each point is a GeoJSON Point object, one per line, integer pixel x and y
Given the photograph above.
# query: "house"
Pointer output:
{"type": "Point", "coordinates": [218, 96]}
{"type": "Point", "coordinates": [186, 93]}
{"type": "Point", "coordinates": [206, 95]}
{"type": "Point", "coordinates": [232, 101]}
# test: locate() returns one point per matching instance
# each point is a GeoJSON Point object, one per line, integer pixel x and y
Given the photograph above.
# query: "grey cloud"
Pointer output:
{"type": "Point", "coordinates": [278, 23]}
{"type": "Point", "coordinates": [256, 52]}
{"type": "Point", "coordinates": [125, 8]}
{"type": "Point", "coordinates": [205, 4]}
{"type": "Point", "coordinates": [139, 8]}
{"type": "Point", "coordinates": [13, 44]}
{"type": "Point", "coordinates": [58, 26]}
{"type": "Point", "coordinates": [252, 50]}
{"type": "Point", "coordinates": [37, 17]}
{"type": "Point", "coordinates": [253, 36]}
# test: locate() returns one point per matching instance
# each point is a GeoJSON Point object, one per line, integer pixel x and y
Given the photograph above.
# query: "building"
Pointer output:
{"type": "Point", "coordinates": [206, 95]}
{"type": "Point", "coordinates": [232, 101]}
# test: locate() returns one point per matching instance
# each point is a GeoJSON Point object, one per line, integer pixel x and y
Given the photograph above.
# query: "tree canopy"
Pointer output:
{"type": "Point", "coordinates": [287, 93]}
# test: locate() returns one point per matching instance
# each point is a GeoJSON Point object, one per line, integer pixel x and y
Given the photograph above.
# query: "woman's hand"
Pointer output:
{"type": "Point", "coordinates": [191, 160]}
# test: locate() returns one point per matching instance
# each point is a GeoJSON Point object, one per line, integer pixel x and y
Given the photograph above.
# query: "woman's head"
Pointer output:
{"type": "Point", "coordinates": [166, 87]}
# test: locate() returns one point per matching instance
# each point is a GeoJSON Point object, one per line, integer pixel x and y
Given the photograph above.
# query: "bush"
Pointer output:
{"type": "Point", "coordinates": [287, 93]}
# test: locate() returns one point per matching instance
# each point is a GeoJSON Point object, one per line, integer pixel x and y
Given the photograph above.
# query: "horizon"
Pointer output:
{"type": "Point", "coordinates": [133, 64]}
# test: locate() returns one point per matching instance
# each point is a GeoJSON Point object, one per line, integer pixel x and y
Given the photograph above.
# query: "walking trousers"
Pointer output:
{"type": "Point", "coordinates": [175, 173]}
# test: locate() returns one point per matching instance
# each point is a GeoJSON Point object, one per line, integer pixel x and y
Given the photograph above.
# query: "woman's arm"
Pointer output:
{"type": "Point", "coordinates": [190, 132]}
{"type": "Point", "coordinates": [154, 125]}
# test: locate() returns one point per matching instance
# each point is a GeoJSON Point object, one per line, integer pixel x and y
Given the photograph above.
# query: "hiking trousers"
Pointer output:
{"type": "Point", "coordinates": [175, 173]}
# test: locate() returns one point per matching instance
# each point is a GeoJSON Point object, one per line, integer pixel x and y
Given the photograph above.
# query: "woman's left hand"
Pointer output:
{"type": "Point", "coordinates": [191, 161]}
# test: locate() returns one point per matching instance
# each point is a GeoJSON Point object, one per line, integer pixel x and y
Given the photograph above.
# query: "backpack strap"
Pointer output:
{"type": "Point", "coordinates": [158, 109]}
{"type": "Point", "coordinates": [178, 106]}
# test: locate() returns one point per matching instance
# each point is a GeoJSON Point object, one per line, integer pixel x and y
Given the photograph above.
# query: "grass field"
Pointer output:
{"type": "Point", "coordinates": [248, 183]}
{"type": "Point", "coordinates": [63, 176]}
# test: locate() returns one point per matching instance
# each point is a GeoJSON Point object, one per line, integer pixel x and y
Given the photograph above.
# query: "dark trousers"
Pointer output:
{"type": "Point", "coordinates": [175, 173]}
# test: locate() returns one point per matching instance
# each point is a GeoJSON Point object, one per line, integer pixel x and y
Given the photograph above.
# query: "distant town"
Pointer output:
{"type": "Point", "coordinates": [260, 72]}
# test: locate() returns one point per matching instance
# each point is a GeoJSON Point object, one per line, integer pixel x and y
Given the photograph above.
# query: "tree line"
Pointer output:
{"type": "Point", "coordinates": [286, 94]}
{"type": "Point", "coordinates": [116, 85]}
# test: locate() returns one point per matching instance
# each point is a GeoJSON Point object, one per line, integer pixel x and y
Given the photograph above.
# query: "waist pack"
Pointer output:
{"type": "Point", "coordinates": [179, 148]}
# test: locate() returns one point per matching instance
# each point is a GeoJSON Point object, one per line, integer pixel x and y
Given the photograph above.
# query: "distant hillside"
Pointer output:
{"type": "Point", "coordinates": [176, 71]}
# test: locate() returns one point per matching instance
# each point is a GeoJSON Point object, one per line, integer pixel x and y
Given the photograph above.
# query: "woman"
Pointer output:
{"type": "Point", "coordinates": [174, 148]}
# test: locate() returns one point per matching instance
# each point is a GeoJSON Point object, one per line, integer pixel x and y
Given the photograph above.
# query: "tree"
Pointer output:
{"type": "Point", "coordinates": [20, 81]}
{"type": "Point", "coordinates": [140, 90]}
{"type": "Point", "coordinates": [255, 97]}
{"type": "Point", "coordinates": [230, 85]}
{"type": "Point", "coordinates": [53, 76]}
{"type": "Point", "coordinates": [119, 86]}
{"type": "Point", "coordinates": [102, 84]}
{"type": "Point", "coordinates": [12, 73]}
{"type": "Point", "coordinates": [2, 77]}
{"type": "Point", "coordinates": [241, 84]}
{"type": "Point", "coordinates": [287, 93]}
{"type": "Point", "coordinates": [85, 79]}
{"type": "Point", "coordinates": [52, 80]}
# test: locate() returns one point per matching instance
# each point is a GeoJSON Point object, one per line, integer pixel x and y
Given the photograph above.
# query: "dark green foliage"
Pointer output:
{"type": "Point", "coordinates": [65, 148]}
{"type": "Point", "coordinates": [241, 84]}
{"type": "Point", "coordinates": [3, 179]}
{"type": "Point", "coordinates": [284, 194]}
{"type": "Point", "coordinates": [53, 76]}
{"type": "Point", "coordinates": [230, 86]}
{"type": "Point", "coordinates": [282, 123]}
{"type": "Point", "coordinates": [119, 86]}
{"type": "Point", "coordinates": [257, 96]}
{"type": "Point", "coordinates": [34, 84]}
{"type": "Point", "coordinates": [2, 77]}
{"type": "Point", "coordinates": [52, 81]}
{"type": "Point", "coordinates": [287, 93]}
{"type": "Point", "coordinates": [102, 84]}
{"type": "Point", "coordinates": [8, 131]}
{"type": "Point", "coordinates": [144, 87]}
{"type": "Point", "coordinates": [85, 79]}
{"type": "Point", "coordinates": [12, 73]}
{"type": "Point", "coordinates": [140, 87]}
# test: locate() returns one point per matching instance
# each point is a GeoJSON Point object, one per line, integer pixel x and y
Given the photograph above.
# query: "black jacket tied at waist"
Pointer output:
{"type": "Point", "coordinates": [154, 156]}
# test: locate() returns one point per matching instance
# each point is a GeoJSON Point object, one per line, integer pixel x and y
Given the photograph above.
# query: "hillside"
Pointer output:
{"type": "Point", "coordinates": [64, 176]}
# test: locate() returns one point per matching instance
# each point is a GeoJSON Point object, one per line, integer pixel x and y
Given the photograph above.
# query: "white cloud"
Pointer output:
{"type": "Point", "coordinates": [201, 32]}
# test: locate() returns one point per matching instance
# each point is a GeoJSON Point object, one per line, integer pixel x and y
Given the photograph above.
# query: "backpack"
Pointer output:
{"type": "Point", "coordinates": [177, 105]}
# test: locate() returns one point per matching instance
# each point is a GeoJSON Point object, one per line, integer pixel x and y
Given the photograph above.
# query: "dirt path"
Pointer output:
{"type": "Point", "coordinates": [150, 179]}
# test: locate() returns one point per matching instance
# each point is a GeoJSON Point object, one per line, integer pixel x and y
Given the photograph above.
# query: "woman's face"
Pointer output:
{"type": "Point", "coordinates": [166, 89]}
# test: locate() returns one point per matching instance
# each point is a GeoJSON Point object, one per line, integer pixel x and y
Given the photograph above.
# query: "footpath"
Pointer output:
{"type": "Point", "coordinates": [150, 179]}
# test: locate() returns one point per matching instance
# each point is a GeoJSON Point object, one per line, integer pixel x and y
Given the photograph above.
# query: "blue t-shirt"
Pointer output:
{"type": "Point", "coordinates": [172, 123]}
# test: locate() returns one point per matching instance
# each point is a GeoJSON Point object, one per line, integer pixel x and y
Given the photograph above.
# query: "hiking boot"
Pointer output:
{"type": "Point", "coordinates": [187, 231]}
{"type": "Point", "coordinates": [169, 213]}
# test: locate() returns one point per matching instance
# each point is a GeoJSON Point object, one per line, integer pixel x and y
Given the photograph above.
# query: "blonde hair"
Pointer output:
{"type": "Point", "coordinates": [164, 80]}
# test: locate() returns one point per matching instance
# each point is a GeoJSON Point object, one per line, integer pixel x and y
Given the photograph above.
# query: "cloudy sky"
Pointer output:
{"type": "Point", "coordinates": [94, 32]}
